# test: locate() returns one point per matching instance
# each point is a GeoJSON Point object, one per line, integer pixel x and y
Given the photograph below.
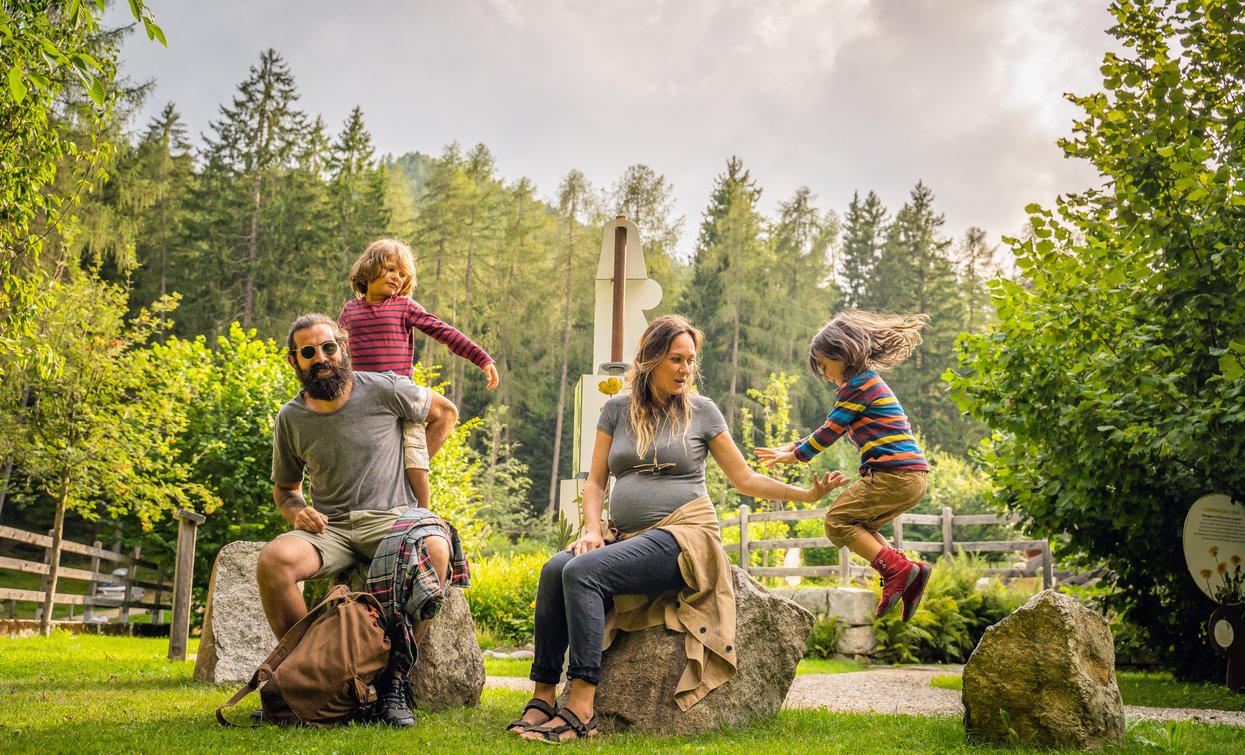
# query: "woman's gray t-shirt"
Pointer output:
{"type": "Point", "coordinates": [672, 472]}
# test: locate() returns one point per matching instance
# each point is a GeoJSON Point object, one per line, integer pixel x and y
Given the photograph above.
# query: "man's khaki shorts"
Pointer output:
{"type": "Point", "coordinates": [414, 446]}
{"type": "Point", "coordinates": [350, 539]}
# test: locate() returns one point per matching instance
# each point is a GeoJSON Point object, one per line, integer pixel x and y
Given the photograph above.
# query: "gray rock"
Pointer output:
{"type": "Point", "coordinates": [1051, 666]}
{"type": "Point", "coordinates": [523, 655]}
{"type": "Point", "coordinates": [236, 637]}
{"type": "Point", "coordinates": [854, 606]}
{"type": "Point", "coordinates": [450, 669]}
{"type": "Point", "coordinates": [856, 640]}
{"type": "Point", "coordinates": [640, 670]}
{"type": "Point", "coordinates": [812, 599]}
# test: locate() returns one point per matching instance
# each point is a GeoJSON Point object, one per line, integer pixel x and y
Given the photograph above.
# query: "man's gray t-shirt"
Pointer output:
{"type": "Point", "coordinates": [672, 472]}
{"type": "Point", "coordinates": [353, 456]}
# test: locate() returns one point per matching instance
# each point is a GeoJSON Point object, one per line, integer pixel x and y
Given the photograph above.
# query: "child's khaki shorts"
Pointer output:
{"type": "Point", "coordinates": [414, 446]}
{"type": "Point", "coordinates": [872, 501]}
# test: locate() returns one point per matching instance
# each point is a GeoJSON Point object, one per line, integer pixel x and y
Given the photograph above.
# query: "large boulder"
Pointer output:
{"type": "Point", "coordinates": [236, 637]}
{"type": "Point", "coordinates": [640, 670]}
{"type": "Point", "coordinates": [1045, 675]}
{"type": "Point", "coordinates": [450, 668]}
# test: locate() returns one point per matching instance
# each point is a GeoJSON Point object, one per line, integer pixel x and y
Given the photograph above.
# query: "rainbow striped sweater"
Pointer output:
{"type": "Point", "coordinates": [867, 411]}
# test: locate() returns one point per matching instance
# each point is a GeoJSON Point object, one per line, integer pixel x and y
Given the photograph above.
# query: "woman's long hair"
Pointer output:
{"type": "Point", "coordinates": [865, 340]}
{"type": "Point", "coordinates": [643, 410]}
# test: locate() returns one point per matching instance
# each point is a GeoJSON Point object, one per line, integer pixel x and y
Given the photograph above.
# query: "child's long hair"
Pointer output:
{"type": "Point", "coordinates": [371, 264]}
{"type": "Point", "coordinates": [645, 414]}
{"type": "Point", "coordinates": [865, 340]}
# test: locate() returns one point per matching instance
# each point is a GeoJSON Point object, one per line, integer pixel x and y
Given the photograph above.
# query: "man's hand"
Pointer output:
{"type": "Point", "coordinates": [771, 456]}
{"type": "Point", "coordinates": [310, 520]}
{"type": "Point", "coordinates": [589, 542]}
{"type": "Point", "coordinates": [490, 374]}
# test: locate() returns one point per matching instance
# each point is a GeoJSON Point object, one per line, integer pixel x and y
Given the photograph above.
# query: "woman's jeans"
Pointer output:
{"type": "Point", "coordinates": [576, 592]}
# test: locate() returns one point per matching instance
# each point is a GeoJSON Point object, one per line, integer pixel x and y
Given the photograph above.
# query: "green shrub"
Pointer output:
{"type": "Point", "coordinates": [823, 640]}
{"type": "Point", "coordinates": [502, 596]}
{"type": "Point", "coordinates": [952, 617]}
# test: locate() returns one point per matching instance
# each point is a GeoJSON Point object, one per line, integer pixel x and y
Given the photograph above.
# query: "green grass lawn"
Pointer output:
{"type": "Point", "coordinates": [86, 694]}
{"type": "Point", "coordinates": [1151, 690]}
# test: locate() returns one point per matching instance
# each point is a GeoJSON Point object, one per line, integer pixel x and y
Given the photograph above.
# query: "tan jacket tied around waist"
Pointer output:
{"type": "Point", "coordinates": [704, 611]}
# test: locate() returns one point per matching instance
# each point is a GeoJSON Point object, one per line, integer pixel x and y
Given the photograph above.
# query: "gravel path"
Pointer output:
{"type": "Point", "coordinates": [908, 691]}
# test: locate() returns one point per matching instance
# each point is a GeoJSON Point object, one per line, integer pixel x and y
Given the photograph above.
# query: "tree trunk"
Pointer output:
{"type": "Point", "coordinates": [58, 528]}
{"type": "Point", "coordinates": [252, 254]}
{"type": "Point", "coordinates": [730, 394]}
{"type": "Point", "coordinates": [566, 348]}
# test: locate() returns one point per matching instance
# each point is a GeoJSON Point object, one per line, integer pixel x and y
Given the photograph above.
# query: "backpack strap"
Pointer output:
{"type": "Point", "coordinates": [289, 640]}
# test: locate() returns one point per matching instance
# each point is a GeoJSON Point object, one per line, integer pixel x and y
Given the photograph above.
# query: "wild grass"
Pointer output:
{"type": "Point", "coordinates": [87, 694]}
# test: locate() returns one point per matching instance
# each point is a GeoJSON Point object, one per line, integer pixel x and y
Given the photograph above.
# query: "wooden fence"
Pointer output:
{"type": "Point", "coordinates": [159, 594]}
{"type": "Point", "coordinates": [845, 570]}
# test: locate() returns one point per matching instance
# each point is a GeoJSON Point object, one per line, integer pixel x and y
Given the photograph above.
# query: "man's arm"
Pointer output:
{"type": "Point", "coordinates": [292, 505]}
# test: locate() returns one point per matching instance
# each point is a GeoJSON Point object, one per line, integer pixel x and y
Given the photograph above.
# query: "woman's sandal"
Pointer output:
{"type": "Point", "coordinates": [554, 736]}
{"type": "Point", "coordinates": [519, 726]}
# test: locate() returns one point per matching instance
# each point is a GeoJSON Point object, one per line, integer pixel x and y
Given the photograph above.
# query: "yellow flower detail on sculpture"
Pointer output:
{"type": "Point", "coordinates": [1236, 560]}
{"type": "Point", "coordinates": [1205, 573]}
{"type": "Point", "coordinates": [1214, 550]}
{"type": "Point", "coordinates": [610, 387]}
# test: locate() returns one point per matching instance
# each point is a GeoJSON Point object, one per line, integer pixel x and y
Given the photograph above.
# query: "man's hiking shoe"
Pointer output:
{"type": "Point", "coordinates": [912, 595]}
{"type": "Point", "coordinates": [898, 573]}
{"type": "Point", "coordinates": [392, 706]}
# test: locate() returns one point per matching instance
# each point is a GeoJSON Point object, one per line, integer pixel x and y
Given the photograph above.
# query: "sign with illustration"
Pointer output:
{"type": "Point", "coordinates": [1214, 547]}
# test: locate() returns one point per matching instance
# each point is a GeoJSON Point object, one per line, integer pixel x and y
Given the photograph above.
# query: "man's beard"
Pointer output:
{"type": "Point", "coordinates": [325, 381]}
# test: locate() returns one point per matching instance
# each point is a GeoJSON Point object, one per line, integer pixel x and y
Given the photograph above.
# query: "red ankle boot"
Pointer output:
{"type": "Point", "coordinates": [897, 574]}
{"type": "Point", "coordinates": [912, 595]}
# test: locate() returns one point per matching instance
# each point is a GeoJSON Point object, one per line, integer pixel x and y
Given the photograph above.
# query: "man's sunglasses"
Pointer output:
{"type": "Point", "coordinates": [328, 348]}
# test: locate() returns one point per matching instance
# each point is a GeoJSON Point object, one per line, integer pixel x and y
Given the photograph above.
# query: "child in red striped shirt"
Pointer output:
{"type": "Point", "coordinates": [848, 351]}
{"type": "Point", "coordinates": [382, 320]}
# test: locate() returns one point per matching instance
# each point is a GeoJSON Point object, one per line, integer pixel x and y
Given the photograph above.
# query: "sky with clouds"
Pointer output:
{"type": "Point", "coordinates": [838, 95]}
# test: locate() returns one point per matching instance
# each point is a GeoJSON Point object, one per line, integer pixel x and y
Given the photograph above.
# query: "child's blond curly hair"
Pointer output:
{"type": "Point", "coordinates": [371, 265]}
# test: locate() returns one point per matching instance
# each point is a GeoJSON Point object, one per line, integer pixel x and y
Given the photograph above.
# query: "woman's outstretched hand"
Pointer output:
{"type": "Point", "coordinates": [824, 483]}
{"type": "Point", "coordinates": [771, 456]}
{"type": "Point", "coordinates": [589, 541]}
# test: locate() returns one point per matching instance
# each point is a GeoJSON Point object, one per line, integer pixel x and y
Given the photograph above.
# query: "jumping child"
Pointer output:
{"type": "Point", "coordinates": [848, 351]}
{"type": "Point", "coordinates": [381, 321]}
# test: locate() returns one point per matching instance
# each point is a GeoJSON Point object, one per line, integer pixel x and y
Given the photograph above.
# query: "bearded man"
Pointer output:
{"type": "Point", "coordinates": [343, 431]}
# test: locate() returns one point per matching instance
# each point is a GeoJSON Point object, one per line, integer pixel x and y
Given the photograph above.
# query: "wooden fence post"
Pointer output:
{"type": "Point", "coordinates": [183, 581]}
{"type": "Point", "coordinates": [744, 561]}
{"type": "Point", "coordinates": [92, 589]}
{"type": "Point", "coordinates": [158, 617]}
{"type": "Point", "coordinates": [131, 572]}
{"type": "Point", "coordinates": [1048, 567]}
{"type": "Point", "coordinates": [845, 565]}
{"type": "Point", "coordinates": [898, 525]}
{"type": "Point", "coordinates": [946, 532]}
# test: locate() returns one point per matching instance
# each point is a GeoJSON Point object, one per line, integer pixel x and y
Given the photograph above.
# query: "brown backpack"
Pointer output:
{"type": "Point", "coordinates": [322, 670]}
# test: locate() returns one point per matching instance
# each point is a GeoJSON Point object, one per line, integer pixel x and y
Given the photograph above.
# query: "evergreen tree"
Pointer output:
{"type": "Point", "coordinates": [160, 180]}
{"type": "Point", "coordinates": [357, 189]}
{"type": "Point", "coordinates": [977, 265]}
{"type": "Point", "coordinates": [727, 297]}
{"type": "Point", "coordinates": [864, 231]}
{"type": "Point", "coordinates": [647, 199]}
{"type": "Point", "coordinates": [256, 140]}
{"type": "Point", "coordinates": [803, 281]}
{"type": "Point", "coordinates": [915, 274]}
